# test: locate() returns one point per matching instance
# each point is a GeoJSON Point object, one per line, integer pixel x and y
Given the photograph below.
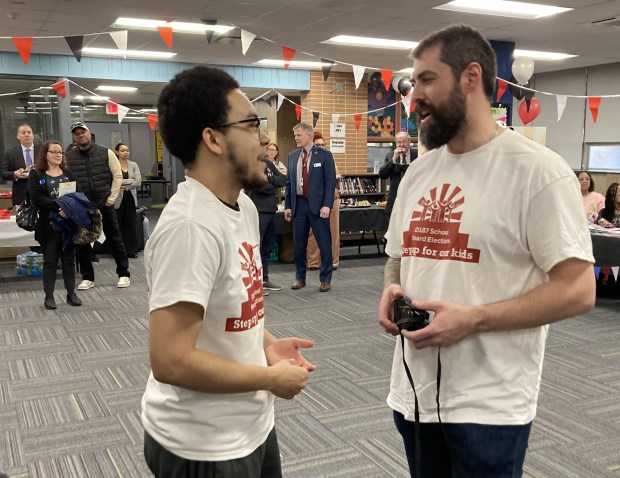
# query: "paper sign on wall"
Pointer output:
{"type": "Point", "coordinates": [337, 130]}
{"type": "Point", "coordinates": [337, 146]}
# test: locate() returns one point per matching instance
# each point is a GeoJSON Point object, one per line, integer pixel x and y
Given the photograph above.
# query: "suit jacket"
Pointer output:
{"type": "Point", "coordinates": [395, 173]}
{"type": "Point", "coordinates": [14, 160]}
{"type": "Point", "coordinates": [321, 180]}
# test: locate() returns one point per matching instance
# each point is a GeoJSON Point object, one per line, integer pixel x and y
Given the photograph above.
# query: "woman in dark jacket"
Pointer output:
{"type": "Point", "coordinates": [46, 182]}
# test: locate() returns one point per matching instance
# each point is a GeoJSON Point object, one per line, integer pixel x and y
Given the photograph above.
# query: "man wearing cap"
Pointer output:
{"type": "Point", "coordinates": [99, 174]}
{"type": "Point", "coordinates": [18, 161]}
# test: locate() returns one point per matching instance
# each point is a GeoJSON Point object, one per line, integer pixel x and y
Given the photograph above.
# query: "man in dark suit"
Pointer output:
{"type": "Point", "coordinates": [19, 160]}
{"type": "Point", "coordinates": [309, 197]}
{"type": "Point", "coordinates": [396, 163]}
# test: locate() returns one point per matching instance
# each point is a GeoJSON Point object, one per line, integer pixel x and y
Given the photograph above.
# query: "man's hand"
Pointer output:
{"type": "Point", "coordinates": [386, 308]}
{"type": "Point", "coordinates": [21, 173]}
{"type": "Point", "coordinates": [324, 212]}
{"type": "Point", "coordinates": [289, 379]}
{"type": "Point", "coordinates": [397, 153]}
{"type": "Point", "coordinates": [62, 214]}
{"type": "Point", "coordinates": [450, 324]}
{"type": "Point", "coordinates": [286, 349]}
{"type": "Point", "coordinates": [287, 215]}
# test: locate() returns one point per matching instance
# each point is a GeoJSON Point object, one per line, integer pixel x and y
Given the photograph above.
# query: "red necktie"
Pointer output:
{"type": "Point", "coordinates": [304, 174]}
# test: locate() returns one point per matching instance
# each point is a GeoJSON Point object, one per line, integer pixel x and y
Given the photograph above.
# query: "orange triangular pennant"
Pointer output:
{"type": "Point", "coordinates": [287, 54]}
{"type": "Point", "coordinates": [298, 112]}
{"type": "Point", "coordinates": [60, 88]}
{"type": "Point", "coordinates": [501, 88]}
{"type": "Point", "coordinates": [387, 78]}
{"type": "Point", "coordinates": [24, 47]}
{"type": "Point", "coordinates": [153, 119]}
{"type": "Point", "coordinates": [594, 102]}
{"type": "Point", "coordinates": [166, 35]}
{"type": "Point", "coordinates": [358, 120]}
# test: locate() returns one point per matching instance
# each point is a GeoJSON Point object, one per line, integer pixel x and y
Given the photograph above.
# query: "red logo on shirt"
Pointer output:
{"type": "Point", "coordinates": [434, 228]}
{"type": "Point", "coordinates": [252, 310]}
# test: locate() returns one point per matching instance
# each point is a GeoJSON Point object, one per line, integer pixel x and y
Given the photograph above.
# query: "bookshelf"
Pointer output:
{"type": "Point", "coordinates": [361, 186]}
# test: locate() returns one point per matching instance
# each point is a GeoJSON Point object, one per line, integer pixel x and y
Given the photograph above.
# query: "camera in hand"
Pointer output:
{"type": "Point", "coordinates": [407, 317]}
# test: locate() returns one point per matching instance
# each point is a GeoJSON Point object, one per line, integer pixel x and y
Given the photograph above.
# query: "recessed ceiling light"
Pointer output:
{"type": "Point", "coordinates": [127, 89]}
{"type": "Point", "coordinates": [293, 64]}
{"type": "Point", "coordinates": [88, 51]}
{"type": "Point", "coordinates": [181, 27]}
{"type": "Point", "coordinates": [95, 98]}
{"type": "Point", "coordinates": [502, 8]}
{"type": "Point", "coordinates": [371, 42]}
{"type": "Point", "coordinates": [542, 55]}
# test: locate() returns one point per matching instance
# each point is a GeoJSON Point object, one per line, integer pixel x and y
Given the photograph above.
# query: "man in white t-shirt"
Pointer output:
{"type": "Point", "coordinates": [486, 234]}
{"type": "Point", "coordinates": [208, 405]}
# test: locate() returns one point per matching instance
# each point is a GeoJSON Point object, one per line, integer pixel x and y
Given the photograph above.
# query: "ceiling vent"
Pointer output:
{"type": "Point", "coordinates": [607, 22]}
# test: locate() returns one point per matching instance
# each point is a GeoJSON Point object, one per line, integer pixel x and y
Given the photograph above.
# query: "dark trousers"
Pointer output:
{"type": "Point", "coordinates": [267, 227]}
{"type": "Point", "coordinates": [114, 242]}
{"type": "Point", "coordinates": [465, 450]}
{"type": "Point", "coordinates": [303, 220]}
{"type": "Point", "coordinates": [52, 250]}
{"type": "Point", "coordinates": [126, 215]}
{"type": "Point", "coordinates": [264, 462]}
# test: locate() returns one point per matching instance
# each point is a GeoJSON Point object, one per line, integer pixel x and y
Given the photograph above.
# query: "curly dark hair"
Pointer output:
{"type": "Point", "coordinates": [461, 45]}
{"type": "Point", "coordinates": [41, 162]}
{"type": "Point", "coordinates": [194, 99]}
{"type": "Point", "coordinates": [609, 211]}
{"type": "Point", "coordinates": [591, 187]}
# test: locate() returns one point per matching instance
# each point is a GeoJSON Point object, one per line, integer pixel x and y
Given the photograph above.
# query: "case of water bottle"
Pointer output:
{"type": "Point", "coordinates": [30, 264]}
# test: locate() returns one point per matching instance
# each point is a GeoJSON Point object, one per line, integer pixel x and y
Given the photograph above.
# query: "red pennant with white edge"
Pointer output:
{"type": "Point", "coordinates": [298, 112]}
{"type": "Point", "coordinates": [122, 111]}
{"type": "Point", "coordinates": [387, 78]}
{"type": "Point", "coordinates": [593, 103]}
{"type": "Point", "coordinates": [501, 88]}
{"type": "Point", "coordinates": [60, 88]}
{"type": "Point", "coordinates": [111, 109]}
{"type": "Point", "coordinates": [166, 35]}
{"type": "Point", "coordinates": [24, 47]}
{"type": "Point", "coordinates": [358, 120]}
{"type": "Point", "coordinates": [288, 54]}
{"type": "Point", "coordinates": [153, 119]}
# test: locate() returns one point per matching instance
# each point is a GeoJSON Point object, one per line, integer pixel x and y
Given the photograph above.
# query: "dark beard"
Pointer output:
{"type": "Point", "coordinates": [241, 171]}
{"type": "Point", "coordinates": [447, 120]}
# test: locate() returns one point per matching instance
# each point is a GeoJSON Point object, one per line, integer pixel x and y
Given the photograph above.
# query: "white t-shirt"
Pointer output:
{"type": "Point", "coordinates": [473, 229]}
{"type": "Point", "coordinates": [205, 252]}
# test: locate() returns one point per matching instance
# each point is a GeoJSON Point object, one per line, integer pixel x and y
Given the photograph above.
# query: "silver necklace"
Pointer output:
{"type": "Point", "coordinates": [494, 132]}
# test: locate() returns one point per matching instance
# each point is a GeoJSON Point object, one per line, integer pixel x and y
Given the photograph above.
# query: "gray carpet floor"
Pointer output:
{"type": "Point", "coordinates": [71, 381]}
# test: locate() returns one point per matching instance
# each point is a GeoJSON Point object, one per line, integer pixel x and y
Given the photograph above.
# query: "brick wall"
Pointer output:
{"type": "Point", "coordinates": [320, 98]}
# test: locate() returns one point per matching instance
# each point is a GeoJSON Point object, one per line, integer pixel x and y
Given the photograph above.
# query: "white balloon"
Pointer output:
{"type": "Point", "coordinates": [522, 69]}
{"type": "Point", "coordinates": [395, 80]}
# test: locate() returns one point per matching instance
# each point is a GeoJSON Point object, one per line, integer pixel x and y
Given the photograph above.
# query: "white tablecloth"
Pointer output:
{"type": "Point", "coordinates": [13, 236]}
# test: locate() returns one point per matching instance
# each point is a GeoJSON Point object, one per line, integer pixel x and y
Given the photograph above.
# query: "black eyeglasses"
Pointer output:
{"type": "Point", "coordinates": [320, 145]}
{"type": "Point", "coordinates": [254, 122]}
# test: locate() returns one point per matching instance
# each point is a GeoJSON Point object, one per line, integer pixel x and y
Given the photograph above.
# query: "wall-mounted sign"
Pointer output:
{"type": "Point", "coordinates": [337, 130]}
{"type": "Point", "coordinates": [337, 146]}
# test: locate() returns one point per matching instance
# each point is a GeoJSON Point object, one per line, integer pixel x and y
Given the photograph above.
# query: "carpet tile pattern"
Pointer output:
{"type": "Point", "coordinates": [71, 381]}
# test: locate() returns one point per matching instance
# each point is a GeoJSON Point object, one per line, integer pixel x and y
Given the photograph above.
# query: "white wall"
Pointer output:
{"type": "Point", "coordinates": [570, 135]}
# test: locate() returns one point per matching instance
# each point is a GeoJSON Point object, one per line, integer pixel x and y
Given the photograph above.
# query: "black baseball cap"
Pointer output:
{"type": "Point", "coordinates": [77, 125]}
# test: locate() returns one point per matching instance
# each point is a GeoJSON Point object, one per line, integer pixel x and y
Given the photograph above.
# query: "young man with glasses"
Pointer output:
{"type": "Point", "coordinates": [208, 405]}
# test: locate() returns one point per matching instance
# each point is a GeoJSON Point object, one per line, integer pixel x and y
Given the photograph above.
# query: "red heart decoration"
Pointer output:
{"type": "Point", "coordinates": [529, 116]}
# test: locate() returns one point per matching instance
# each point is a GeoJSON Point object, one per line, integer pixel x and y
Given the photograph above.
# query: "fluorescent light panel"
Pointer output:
{"type": "Point", "coordinates": [125, 89]}
{"type": "Point", "coordinates": [88, 51]}
{"type": "Point", "coordinates": [180, 27]}
{"type": "Point", "coordinates": [503, 8]}
{"type": "Point", "coordinates": [96, 98]}
{"type": "Point", "coordinates": [371, 42]}
{"type": "Point", "coordinates": [293, 64]}
{"type": "Point", "coordinates": [542, 55]}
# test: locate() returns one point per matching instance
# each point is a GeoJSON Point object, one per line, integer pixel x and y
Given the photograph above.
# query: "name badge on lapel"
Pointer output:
{"type": "Point", "coordinates": [317, 165]}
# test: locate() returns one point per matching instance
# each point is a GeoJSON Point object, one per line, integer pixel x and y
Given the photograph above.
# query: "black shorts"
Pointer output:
{"type": "Point", "coordinates": [264, 462]}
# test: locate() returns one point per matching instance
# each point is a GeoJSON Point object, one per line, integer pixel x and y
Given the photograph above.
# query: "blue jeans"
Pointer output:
{"type": "Point", "coordinates": [465, 450]}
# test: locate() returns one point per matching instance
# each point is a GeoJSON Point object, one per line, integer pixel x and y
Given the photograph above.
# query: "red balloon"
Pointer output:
{"type": "Point", "coordinates": [529, 116]}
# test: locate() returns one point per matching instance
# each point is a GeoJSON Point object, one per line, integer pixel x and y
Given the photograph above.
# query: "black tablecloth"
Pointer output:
{"type": "Point", "coordinates": [606, 249]}
{"type": "Point", "coordinates": [351, 219]}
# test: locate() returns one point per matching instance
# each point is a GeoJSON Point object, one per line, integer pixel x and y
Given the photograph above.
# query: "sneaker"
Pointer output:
{"type": "Point", "coordinates": [86, 284]}
{"type": "Point", "coordinates": [271, 286]}
{"type": "Point", "coordinates": [265, 293]}
{"type": "Point", "coordinates": [123, 282]}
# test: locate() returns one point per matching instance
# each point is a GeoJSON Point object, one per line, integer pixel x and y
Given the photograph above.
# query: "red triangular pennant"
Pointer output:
{"type": "Point", "coordinates": [358, 120]}
{"type": "Point", "coordinates": [606, 270]}
{"type": "Point", "coordinates": [60, 88]}
{"type": "Point", "coordinates": [111, 109]}
{"type": "Point", "coordinates": [24, 47]}
{"type": "Point", "coordinates": [298, 112]}
{"type": "Point", "coordinates": [153, 119]}
{"type": "Point", "coordinates": [387, 78]}
{"type": "Point", "coordinates": [501, 88]}
{"type": "Point", "coordinates": [594, 102]}
{"type": "Point", "coordinates": [166, 35]}
{"type": "Point", "coordinates": [287, 54]}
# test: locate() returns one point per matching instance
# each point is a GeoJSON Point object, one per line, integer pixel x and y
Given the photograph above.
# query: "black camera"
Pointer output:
{"type": "Point", "coordinates": [407, 317]}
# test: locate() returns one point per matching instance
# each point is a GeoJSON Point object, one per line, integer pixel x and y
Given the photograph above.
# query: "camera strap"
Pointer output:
{"type": "Point", "coordinates": [416, 412]}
